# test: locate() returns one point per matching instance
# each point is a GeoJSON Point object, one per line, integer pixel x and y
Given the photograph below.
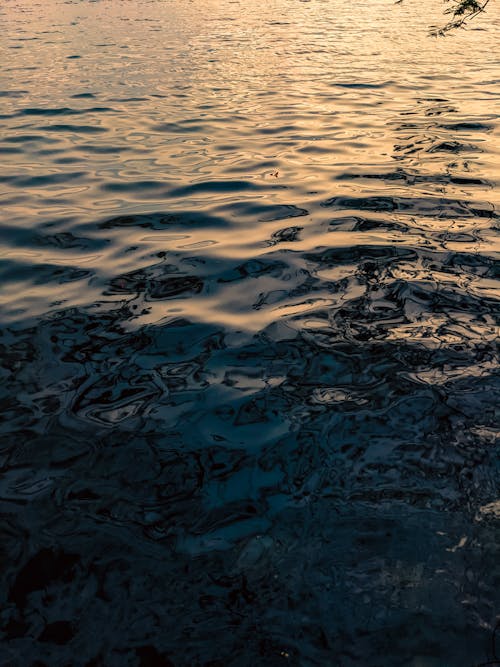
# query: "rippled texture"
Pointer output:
{"type": "Point", "coordinates": [250, 303]}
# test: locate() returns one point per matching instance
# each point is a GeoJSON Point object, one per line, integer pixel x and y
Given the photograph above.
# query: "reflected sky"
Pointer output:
{"type": "Point", "coordinates": [114, 108]}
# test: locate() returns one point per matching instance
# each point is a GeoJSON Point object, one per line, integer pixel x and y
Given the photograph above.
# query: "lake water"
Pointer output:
{"type": "Point", "coordinates": [249, 306]}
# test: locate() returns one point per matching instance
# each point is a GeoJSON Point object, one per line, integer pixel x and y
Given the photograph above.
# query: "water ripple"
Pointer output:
{"type": "Point", "coordinates": [249, 336]}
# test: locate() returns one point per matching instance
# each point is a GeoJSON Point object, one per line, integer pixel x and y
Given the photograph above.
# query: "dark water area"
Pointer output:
{"type": "Point", "coordinates": [249, 335]}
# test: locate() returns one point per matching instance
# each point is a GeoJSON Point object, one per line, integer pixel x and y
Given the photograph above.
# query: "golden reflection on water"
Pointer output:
{"type": "Point", "coordinates": [219, 107]}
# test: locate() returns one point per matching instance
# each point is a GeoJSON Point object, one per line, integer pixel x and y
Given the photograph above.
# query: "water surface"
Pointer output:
{"type": "Point", "coordinates": [249, 308]}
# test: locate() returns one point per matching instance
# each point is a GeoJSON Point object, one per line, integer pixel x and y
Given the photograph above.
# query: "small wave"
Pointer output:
{"type": "Point", "coordinates": [424, 206]}
{"type": "Point", "coordinates": [218, 186]}
{"type": "Point", "coordinates": [74, 129]}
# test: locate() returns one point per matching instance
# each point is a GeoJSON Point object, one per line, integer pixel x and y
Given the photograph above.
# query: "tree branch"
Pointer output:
{"type": "Point", "coordinates": [462, 12]}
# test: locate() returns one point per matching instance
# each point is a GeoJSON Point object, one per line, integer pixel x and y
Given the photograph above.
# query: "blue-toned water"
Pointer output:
{"type": "Point", "coordinates": [249, 335]}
